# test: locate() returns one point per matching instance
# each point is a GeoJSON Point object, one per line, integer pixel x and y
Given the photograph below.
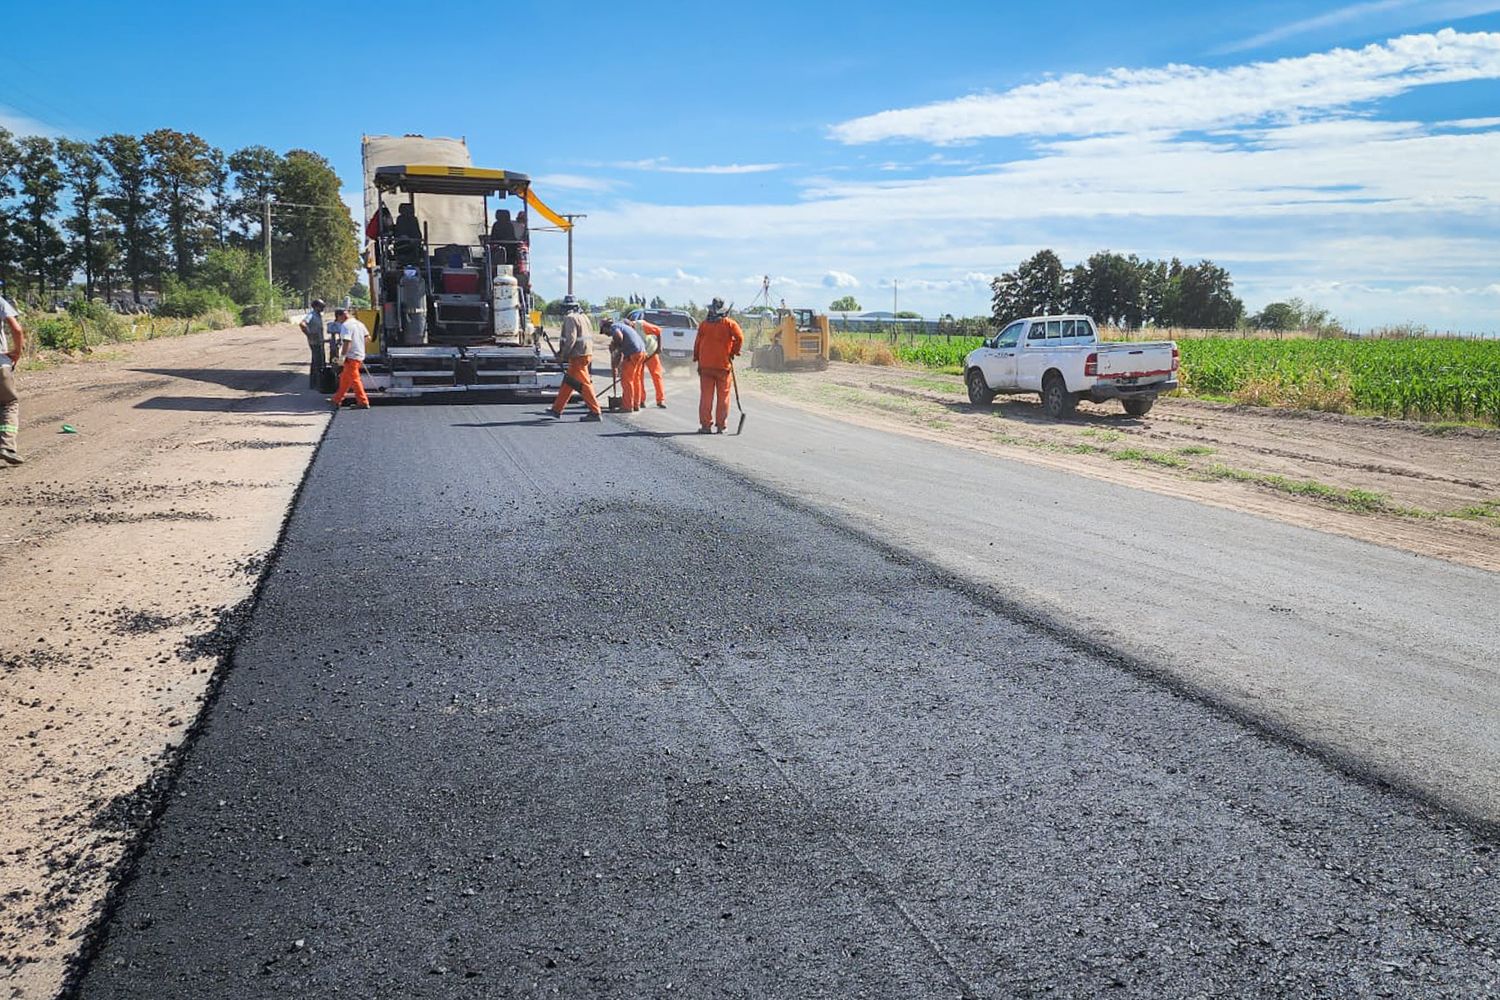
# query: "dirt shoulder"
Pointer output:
{"type": "Point", "coordinates": [1434, 491]}
{"type": "Point", "coordinates": [125, 549]}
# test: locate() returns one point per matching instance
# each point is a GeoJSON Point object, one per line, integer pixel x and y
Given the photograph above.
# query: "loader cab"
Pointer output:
{"type": "Point", "coordinates": [444, 274]}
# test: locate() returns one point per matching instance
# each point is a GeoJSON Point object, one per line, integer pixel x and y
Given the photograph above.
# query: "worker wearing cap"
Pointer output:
{"type": "Point", "coordinates": [312, 328]}
{"type": "Point", "coordinates": [578, 351]}
{"type": "Point", "coordinates": [718, 344]}
{"type": "Point", "coordinates": [349, 344]}
{"type": "Point", "coordinates": [651, 333]}
{"type": "Point", "coordinates": [626, 341]}
{"type": "Point", "coordinates": [12, 341]}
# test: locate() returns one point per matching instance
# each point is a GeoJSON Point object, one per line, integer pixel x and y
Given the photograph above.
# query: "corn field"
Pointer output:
{"type": "Point", "coordinates": [1415, 378]}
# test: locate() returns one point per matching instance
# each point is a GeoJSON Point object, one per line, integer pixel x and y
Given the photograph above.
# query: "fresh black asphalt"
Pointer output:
{"type": "Point", "coordinates": [555, 709]}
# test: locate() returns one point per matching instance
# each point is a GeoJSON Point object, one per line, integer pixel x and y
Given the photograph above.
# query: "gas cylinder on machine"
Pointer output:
{"type": "Point", "coordinates": [412, 298]}
{"type": "Point", "coordinates": [506, 298]}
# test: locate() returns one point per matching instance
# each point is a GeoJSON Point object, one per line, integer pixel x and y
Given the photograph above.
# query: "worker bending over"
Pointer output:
{"type": "Point", "coordinates": [349, 345]}
{"type": "Point", "coordinates": [651, 333]}
{"type": "Point", "coordinates": [718, 344]}
{"type": "Point", "coordinates": [12, 340]}
{"type": "Point", "coordinates": [578, 352]}
{"type": "Point", "coordinates": [626, 341]}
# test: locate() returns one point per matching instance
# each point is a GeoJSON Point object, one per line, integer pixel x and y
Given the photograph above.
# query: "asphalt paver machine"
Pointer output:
{"type": "Point", "coordinates": [451, 287]}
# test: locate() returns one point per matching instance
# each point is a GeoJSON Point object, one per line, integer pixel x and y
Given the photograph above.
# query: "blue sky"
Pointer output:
{"type": "Point", "coordinates": [1345, 153]}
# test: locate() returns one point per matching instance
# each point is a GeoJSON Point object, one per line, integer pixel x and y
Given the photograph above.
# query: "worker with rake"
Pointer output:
{"type": "Point", "coordinates": [578, 351]}
{"type": "Point", "coordinates": [719, 341]}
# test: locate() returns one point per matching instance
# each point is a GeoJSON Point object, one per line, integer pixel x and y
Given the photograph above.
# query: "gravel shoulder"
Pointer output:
{"type": "Point", "coordinates": [672, 736]}
{"type": "Point", "coordinates": [127, 549]}
{"type": "Point", "coordinates": [1433, 491]}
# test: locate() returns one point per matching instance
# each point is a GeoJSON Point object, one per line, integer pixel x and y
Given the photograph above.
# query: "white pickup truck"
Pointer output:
{"type": "Point", "coordinates": [678, 331]}
{"type": "Point", "coordinates": [1061, 358]}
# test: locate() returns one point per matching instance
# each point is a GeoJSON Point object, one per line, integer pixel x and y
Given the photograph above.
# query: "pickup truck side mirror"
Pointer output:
{"type": "Point", "coordinates": [990, 342]}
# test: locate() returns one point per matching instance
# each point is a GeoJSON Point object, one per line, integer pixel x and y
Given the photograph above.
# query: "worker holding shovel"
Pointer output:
{"type": "Point", "coordinates": [578, 351]}
{"type": "Point", "coordinates": [651, 333]}
{"type": "Point", "coordinates": [719, 341]}
{"type": "Point", "coordinates": [631, 347]}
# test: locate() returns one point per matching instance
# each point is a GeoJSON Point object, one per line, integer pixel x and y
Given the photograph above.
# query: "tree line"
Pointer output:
{"type": "Point", "coordinates": [1119, 290]}
{"type": "Point", "coordinates": [168, 210]}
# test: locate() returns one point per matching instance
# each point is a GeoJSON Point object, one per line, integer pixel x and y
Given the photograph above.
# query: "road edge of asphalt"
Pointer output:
{"type": "Point", "coordinates": [1070, 636]}
{"type": "Point", "coordinates": [156, 791]}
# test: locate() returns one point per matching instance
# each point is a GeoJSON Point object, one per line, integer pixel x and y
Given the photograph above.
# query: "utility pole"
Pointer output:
{"type": "Point", "coordinates": [895, 301]}
{"type": "Point", "coordinates": [266, 229]}
{"type": "Point", "coordinates": [570, 219]}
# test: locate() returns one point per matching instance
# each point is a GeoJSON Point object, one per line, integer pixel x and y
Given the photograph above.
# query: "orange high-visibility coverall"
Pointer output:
{"type": "Point", "coordinates": [578, 349]}
{"type": "Point", "coordinates": [632, 380]}
{"type": "Point", "coordinates": [717, 345]}
{"type": "Point", "coordinates": [653, 365]}
{"type": "Point", "coordinates": [349, 380]}
{"type": "Point", "coordinates": [578, 368]}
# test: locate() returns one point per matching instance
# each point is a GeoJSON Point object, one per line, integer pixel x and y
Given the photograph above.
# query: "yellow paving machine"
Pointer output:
{"type": "Point", "coordinates": [450, 284]}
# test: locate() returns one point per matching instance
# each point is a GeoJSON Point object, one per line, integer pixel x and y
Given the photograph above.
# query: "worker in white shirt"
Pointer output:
{"type": "Point", "coordinates": [349, 345]}
{"type": "Point", "coordinates": [12, 340]}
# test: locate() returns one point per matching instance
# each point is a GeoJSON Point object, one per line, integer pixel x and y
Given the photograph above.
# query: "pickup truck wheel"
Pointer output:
{"type": "Point", "coordinates": [1057, 401]}
{"type": "Point", "coordinates": [980, 393]}
{"type": "Point", "coordinates": [1138, 407]}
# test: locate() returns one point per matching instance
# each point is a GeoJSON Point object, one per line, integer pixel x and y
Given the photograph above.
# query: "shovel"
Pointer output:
{"type": "Point", "coordinates": [734, 381]}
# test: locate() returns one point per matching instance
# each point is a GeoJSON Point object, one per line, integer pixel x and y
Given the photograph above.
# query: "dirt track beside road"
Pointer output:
{"type": "Point", "coordinates": [126, 550]}
{"type": "Point", "coordinates": [1430, 490]}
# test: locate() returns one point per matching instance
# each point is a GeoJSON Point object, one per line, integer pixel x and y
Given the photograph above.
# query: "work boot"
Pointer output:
{"type": "Point", "coordinates": [590, 418]}
{"type": "Point", "coordinates": [11, 457]}
{"type": "Point", "coordinates": [719, 429]}
{"type": "Point", "coordinates": [361, 406]}
{"type": "Point", "coordinates": [554, 414]}
{"type": "Point", "coordinates": [705, 429]}
{"type": "Point", "coordinates": [661, 406]}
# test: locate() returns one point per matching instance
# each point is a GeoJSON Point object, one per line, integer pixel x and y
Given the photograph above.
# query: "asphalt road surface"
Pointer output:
{"type": "Point", "coordinates": [1386, 661]}
{"type": "Point", "coordinates": [532, 708]}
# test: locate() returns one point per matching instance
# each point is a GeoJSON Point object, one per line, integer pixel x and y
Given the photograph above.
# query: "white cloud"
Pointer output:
{"type": "Point", "coordinates": [574, 182]}
{"type": "Point", "coordinates": [1177, 98]}
{"type": "Point", "coordinates": [840, 279]}
{"type": "Point", "coordinates": [1407, 13]}
{"type": "Point", "coordinates": [1343, 15]}
{"type": "Point", "coordinates": [21, 124]}
{"type": "Point", "coordinates": [661, 164]}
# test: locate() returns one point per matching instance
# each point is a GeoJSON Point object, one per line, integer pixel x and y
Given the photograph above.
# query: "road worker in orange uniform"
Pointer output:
{"type": "Point", "coordinates": [653, 361]}
{"type": "Point", "coordinates": [718, 344]}
{"type": "Point", "coordinates": [349, 345]}
{"type": "Point", "coordinates": [630, 346]}
{"type": "Point", "coordinates": [578, 351]}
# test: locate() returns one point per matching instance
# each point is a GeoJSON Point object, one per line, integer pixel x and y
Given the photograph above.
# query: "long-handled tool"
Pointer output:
{"type": "Point", "coordinates": [734, 381]}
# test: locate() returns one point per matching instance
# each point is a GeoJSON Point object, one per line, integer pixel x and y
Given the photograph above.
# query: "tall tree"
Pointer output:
{"type": "Point", "coordinates": [9, 252]}
{"type": "Point", "coordinates": [1035, 288]}
{"type": "Point", "coordinates": [314, 246]}
{"type": "Point", "coordinates": [44, 254]}
{"type": "Point", "coordinates": [1206, 298]}
{"type": "Point", "coordinates": [181, 172]}
{"type": "Point", "coordinates": [129, 200]}
{"type": "Point", "coordinates": [83, 169]}
{"type": "Point", "coordinates": [218, 194]}
{"type": "Point", "coordinates": [256, 169]}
